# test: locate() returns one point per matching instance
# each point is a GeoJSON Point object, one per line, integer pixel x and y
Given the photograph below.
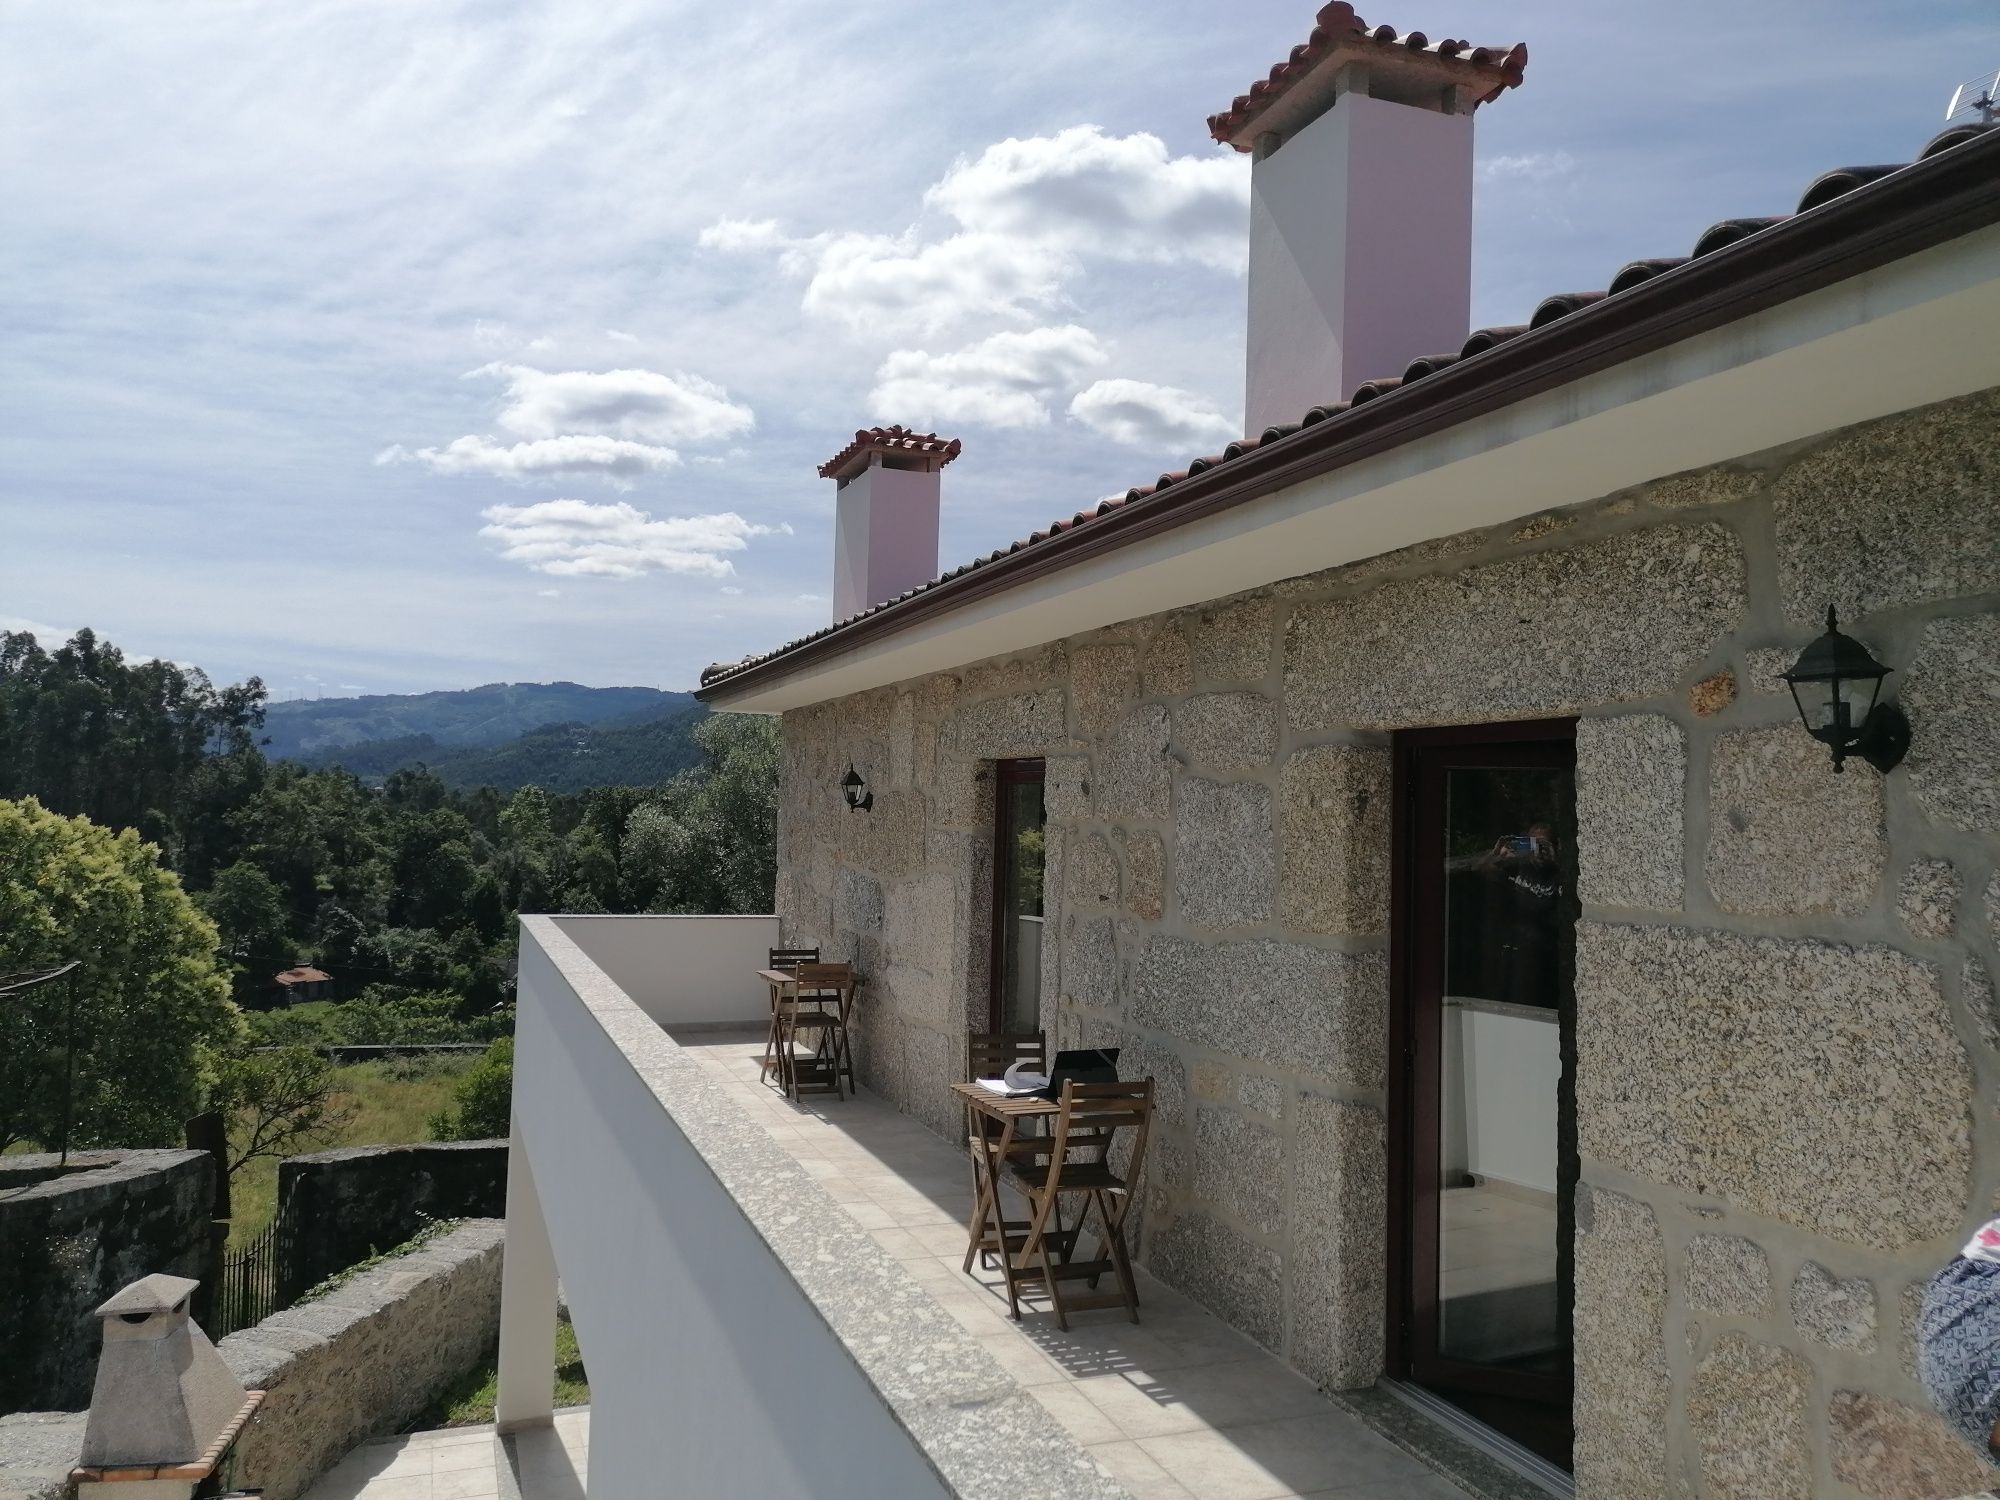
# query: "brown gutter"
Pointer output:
{"type": "Point", "coordinates": [1922, 205]}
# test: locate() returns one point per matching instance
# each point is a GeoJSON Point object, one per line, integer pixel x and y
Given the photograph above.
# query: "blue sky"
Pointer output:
{"type": "Point", "coordinates": [385, 345]}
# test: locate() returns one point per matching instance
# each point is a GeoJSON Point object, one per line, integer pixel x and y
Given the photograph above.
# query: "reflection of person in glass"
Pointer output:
{"type": "Point", "coordinates": [1525, 914]}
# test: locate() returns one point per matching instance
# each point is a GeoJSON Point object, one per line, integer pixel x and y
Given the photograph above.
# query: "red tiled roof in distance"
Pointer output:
{"type": "Point", "coordinates": [303, 976]}
{"type": "Point", "coordinates": [930, 451]}
{"type": "Point", "coordinates": [1300, 88]}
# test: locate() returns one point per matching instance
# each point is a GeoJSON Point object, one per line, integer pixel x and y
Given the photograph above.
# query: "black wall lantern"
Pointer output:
{"type": "Point", "coordinates": [1835, 683]}
{"type": "Point", "coordinates": [855, 790]}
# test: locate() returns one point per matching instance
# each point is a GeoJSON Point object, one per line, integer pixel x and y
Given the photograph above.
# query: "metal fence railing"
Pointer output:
{"type": "Point", "coordinates": [257, 1280]}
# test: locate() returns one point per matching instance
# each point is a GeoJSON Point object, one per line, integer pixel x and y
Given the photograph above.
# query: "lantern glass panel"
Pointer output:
{"type": "Point", "coordinates": [1819, 702]}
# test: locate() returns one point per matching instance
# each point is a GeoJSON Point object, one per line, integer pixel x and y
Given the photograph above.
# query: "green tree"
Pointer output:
{"type": "Point", "coordinates": [482, 1102]}
{"type": "Point", "coordinates": [86, 732]}
{"type": "Point", "coordinates": [153, 1010]}
{"type": "Point", "coordinates": [280, 1101]}
{"type": "Point", "coordinates": [250, 913]}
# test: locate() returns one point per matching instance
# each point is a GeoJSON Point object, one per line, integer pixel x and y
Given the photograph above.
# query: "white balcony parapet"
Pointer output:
{"type": "Point", "coordinates": [743, 1334]}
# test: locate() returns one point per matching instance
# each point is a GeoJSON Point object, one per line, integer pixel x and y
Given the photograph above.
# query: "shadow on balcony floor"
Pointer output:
{"type": "Point", "coordinates": [1176, 1406]}
{"type": "Point", "coordinates": [467, 1463]}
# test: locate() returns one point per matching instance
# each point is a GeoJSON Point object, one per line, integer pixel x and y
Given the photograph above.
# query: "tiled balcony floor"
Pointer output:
{"type": "Point", "coordinates": [467, 1463]}
{"type": "Point", "coordinates": [1178, 1406]}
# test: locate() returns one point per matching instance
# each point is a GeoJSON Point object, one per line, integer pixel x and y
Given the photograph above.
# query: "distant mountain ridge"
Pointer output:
{"type": "Point", "coordinates": [309, 729]}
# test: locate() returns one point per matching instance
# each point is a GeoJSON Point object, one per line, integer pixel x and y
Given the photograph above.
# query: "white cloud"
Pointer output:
{"type": "Point", "coordinates": [618, 461]}
{"type": "Point", "coordinates": [581, 538]}
{"type": "Point", "coordinates": [736, 235]}
{"type": "Point", "coordinates": [1030, 213]}
{"type": "Point", "coordinates": [732, 592]}
{"type": "Point", "coordinates": [1104, 196]}
{"type": "Point", "coordinates": [643, 405]}
{"type": "Point", "coordinates": [47, 636]}
{"type": "Point", "coordinates": [620, 336]}
{"type": "Point", "coordinates": [1007, 380]}
{"type": "Point", "coordinates": [1528, 166]}
{"type": "Point", "coordinates": [876, 283]}
{"type": "Point", "coordinates": [1150, 416]}
{"type": "Point", "coordinates": [548, 593]}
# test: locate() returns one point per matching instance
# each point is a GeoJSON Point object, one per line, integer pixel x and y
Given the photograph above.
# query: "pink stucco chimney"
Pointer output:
{"type": "Point", "coordinates": [885, 514]}
{"type": "Point", "coordinates": [1360, 207]}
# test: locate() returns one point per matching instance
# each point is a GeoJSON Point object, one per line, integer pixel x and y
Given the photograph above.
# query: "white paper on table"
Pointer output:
{"type": "Point", "coordinates": [1031, 1083]}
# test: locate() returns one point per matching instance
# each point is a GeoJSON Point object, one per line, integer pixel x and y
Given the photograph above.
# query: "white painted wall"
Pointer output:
{"type": "Point", "coordinates": [1360, 254]}
{"type": "Point", "coordinates": [885, 536]}
{"type": "Point", "coordinates": [1501, 1073]}
{"type": "Point", "coordinates": [684, 971]}
{"type": "Point", "coordinates": [711, 1373]}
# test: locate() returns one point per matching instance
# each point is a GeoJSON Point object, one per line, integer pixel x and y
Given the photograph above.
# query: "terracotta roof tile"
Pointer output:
{"type": "Point", "coordinates": [1825, 189]}
{"type": "Point", "coordinates": [850, 460]}
{"type": "Point", "coordinates": [1341, 36]}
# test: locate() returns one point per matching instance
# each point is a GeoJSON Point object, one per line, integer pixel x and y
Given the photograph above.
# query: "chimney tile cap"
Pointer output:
{"type": "Point", "coordinates": [1299, 89]}
{"type": "Point", "coordinates": [869, 441]}
{"type": "Point", "coordinates": [156, 1293]}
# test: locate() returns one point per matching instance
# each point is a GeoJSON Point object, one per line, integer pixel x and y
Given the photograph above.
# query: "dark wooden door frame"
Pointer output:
{"type": "Point", "coordinates": [1006, 774]}
{"type": "Point", "coordinates": [1413, 1119]}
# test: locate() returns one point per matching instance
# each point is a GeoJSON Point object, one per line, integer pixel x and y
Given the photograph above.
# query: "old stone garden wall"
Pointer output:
{"type": "Point", "coordinates": [1788, 1045]}
{"type": "Point", "coordinates": [70, 1238]}
{"type": "Point", "coordinates": [351, 1203]}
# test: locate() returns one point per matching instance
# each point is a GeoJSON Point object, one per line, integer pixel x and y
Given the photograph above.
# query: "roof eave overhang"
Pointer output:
{"type": "Point", "coordinates": [1927, 205]}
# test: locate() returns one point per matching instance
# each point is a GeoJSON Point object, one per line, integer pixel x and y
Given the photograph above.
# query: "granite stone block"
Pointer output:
{"type": "Point", "coordinates": [1287, 1005]}
{"type": "Point", "coordinates": [1728, 1275]}
{"type": "Point", "coordinates": [1621, 1366]}
{"type": "Point", "coordinates": [1889, 1451]}
{"type": "Point", "coordinates": [1231, 643]}
{"type": "Point", "coordinates": [1145, 872]}
{"type": "Point", "coordinates": [1810, 1082]}
{"type": "Point", "coordinates": [1024, 724]}
{"type": "Point", "coordinates": [1103, 687]}
{"type": "Point", "coordinates": [1631, 786]}
{"type": "Point", "coordinates": [1168, 664]}
{"type": "Point", "coordinates": [1892, 512]}
{"type": "Point", "coordinates": [1239, 1280]}
{"type": "Point", "coordinates": [1548, 633]}
{"type": "Point", "coordinates": [1225, 732]}
{"type": "Point", "coordinates": [1239, 1169]}
{"type": "Point", "coordinates": [1091, 871]}
{"type": "Point", "coordinates": [1338, 1167]}
{"type": "Point", "coordinates": [1334, 840]}
{"type": "Point", "coordinates": [1747, 1410]}
{"type": "Point", "coordinates": [1133, 773]}
{"type": "Point", "coordinates": [1786, 836]}
{"type": "Point", "coordinates": [1927, 899]}
{"type": "Point", "coordinates": [1952, 695]}
{"type": "Point", "coordinates": [1090, 962]}
{"type": "Point", "coordinates": [1224, 873]}
{"type": "Point", "coordinates": [1831, 1311]}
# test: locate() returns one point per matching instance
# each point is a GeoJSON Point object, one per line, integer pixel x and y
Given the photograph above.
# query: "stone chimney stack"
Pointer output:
{"type": "Point", "coordinates": [885, 541]}
{"type": "Point", "coordinates": [165, 1408]}
{"type": "Point", "coordinates": [1360, 207]}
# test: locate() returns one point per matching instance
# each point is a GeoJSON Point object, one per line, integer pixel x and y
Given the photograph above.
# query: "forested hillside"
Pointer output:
{"type": "Point", "coordinates": [559, 757]}
{"type": "Point", "coordinates": [406, 889]}
{"type": "Point", "coordinates": [308, 728]}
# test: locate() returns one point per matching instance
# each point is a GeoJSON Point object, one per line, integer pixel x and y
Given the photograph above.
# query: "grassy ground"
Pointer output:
{"type": "Point", "coordinates": [470, 1399]}
{"type": "Point", "coordinates": [392, 1103]}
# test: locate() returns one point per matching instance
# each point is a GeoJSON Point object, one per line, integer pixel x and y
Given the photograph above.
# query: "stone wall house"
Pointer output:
{"type": "Point", "coordinates": [1784, 1030]}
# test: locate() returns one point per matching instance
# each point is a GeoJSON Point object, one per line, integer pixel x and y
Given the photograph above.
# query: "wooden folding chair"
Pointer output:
{"type": "Point", "coordinates": [828, 1060]}
{"type": "Point", "coordinates": [988, 1054]}
{"type": "Point", "coordinates": [784, 960]}
{"type": "Point", "coordinates": [1079, 1163]}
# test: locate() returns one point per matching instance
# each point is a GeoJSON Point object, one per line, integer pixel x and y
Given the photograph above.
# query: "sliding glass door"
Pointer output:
{"type": "Point", "coordinates": [1486, 1145]}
